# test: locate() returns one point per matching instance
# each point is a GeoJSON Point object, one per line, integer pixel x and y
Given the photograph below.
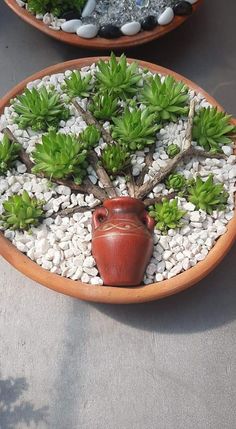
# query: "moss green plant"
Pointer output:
{"type": "Point", "coordinates": [167, 98]}
{"type": "Point", "coordinates": [167, 214]}
{"type": "Point", "coordinates": [77, 85]}
{"type": "Point", "coordinates": [21, 212]}
{"type": "Point", "coordinates": [40, 109]}
{"type": "Point", "coordinates": [60, 156]}
{"type": "Point", "coordinates": [114, 158]}
{"type": "Point", "coordinates": [212, 129]}
{"type": "Point", "coordinates": [118, 77]}
{"type": "Point", "coordinates": [208, 196]}
{"type": "Point", "coordinates": [135, 129]}
{"type": "Point", "coordinates": [9, 152]}
{"type": "Point", "coordinates": [56, 7]}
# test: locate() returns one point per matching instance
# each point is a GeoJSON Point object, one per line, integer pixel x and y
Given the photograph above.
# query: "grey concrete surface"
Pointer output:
{"type": "Point", "coordinates": [66, 364]}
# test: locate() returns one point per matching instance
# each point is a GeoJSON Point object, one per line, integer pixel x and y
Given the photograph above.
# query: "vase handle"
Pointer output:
{"type": "Point", "coordinates": [99, 215]}
{"type": "Point", "coordinates": [149, 222]}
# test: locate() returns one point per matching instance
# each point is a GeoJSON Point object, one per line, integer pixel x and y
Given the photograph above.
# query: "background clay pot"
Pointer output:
{"type": "Point", "coordinates": [107, 294]}
{"type": "Point", "coordinates": [99, 42]}
{"type": "Point", "coordinates": [122, 241]}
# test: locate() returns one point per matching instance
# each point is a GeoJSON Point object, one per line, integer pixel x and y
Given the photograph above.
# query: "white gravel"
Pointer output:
{"type": "Point", "coordinates": [63, 245]}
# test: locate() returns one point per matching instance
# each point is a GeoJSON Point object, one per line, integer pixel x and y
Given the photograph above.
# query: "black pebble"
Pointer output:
{"type": "Point", "coordinates": [183, 8]}
{"type": "Point", "coordinates": [109, 31]}
{"type": "Point", "coordinates": [149, 23]}
{"type": "Point", "coordinates": [71, 15]}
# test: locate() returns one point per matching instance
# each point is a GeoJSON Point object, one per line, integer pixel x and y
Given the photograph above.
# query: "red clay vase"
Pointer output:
{"type": "Point", "coordinates": [122, 241]}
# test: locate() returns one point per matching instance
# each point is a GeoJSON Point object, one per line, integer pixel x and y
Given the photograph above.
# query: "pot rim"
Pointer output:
{"type": "Point", "coordinates": [99, 42]}
{"type": "Point", "coordinates": [108, 294]}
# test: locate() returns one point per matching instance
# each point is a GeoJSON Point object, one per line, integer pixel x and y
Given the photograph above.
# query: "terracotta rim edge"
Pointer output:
{"type": "Point", "coordinates": [107, 294]}
{"type": "Point", "coordinates": [98, 42]}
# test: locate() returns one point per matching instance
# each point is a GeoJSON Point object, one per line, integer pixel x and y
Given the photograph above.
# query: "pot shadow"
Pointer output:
{"type": "Point", "coordinates": [14, 410]}
{"type": "Point", "coordinates": [207, 305]}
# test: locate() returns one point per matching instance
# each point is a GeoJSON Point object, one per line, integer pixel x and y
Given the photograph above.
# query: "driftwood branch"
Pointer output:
{"type": "Point", "coordinates": [90, 120]}
{"type": "Point", "coordinates": [150, 201]}
{"type": "Point", "coordinates": [130, 183]}
{"type": "Point", "coordinates": [199, 152]}
{"type": "Point", "coordinates": [148, 162]}
{"type": "Point", "coordinates": [147, 187]}
{"type": "Point", "coordinates": [23, 155]}
{"type": "Point", "coordinates": [72, 210]}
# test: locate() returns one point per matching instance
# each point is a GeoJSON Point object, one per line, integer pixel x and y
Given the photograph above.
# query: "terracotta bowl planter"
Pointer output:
{"type": "Point", "coordinates": [108, 294]}
{"type": "Point", "coordinates": [98, 42]}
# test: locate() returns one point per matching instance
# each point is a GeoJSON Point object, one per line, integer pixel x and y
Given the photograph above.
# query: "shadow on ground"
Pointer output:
{"type": "Point", "coordinates": [209, 304]}
{"type": "Point", "coordinates": [15, 411]}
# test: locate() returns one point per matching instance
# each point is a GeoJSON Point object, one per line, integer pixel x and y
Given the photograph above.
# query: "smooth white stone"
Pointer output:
{"type": "Point", "coordinates": [151, 269]}
{"type": "Point", "coordinates": [42, 246]}
{"type": "Point", "coordinates": [228, 150]}
{"type": "Point", "coordinates": [159, 277]}
{"type": "Point", "coordinates": [96, 281]}
{"type": "Point", "coordinates": [166, 17]}
{"type": "Point", "coordinates": [85, 278]}
{"type": "Point", "coordinates": [89, 262]}
{"type": "Point", "coordinates": [166, 255]}
{"type": "Point", "coordinates": [131, 28]}
{"type": "Point", "coordinates": [192, 1]}
{"type": "Point", "coordinates": [232, 172]}
{"type": "Point", "coordinates": [71, 26]}
{"type": "Point", "coordinates": [189, 207]}
{"type": "Point", "coordinates": [88, 8]}
{"type": "Point", "coordinates": [87, 31]}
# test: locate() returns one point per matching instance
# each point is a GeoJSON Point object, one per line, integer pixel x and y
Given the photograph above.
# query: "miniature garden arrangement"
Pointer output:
{"type": "Point", "coordinates": [113, 174]}
{"type": "Point", "coordinates": [107, 19]}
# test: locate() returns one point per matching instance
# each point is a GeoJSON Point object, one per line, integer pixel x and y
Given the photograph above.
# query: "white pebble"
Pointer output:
{"type": "Point", "coordinates": [131, 28]}
{"type": "Point", "coordinates": [71, 26]}
{"type": "Point", "coordinates": [228, 150]}
{"type": "Point", "coordinates": [166, 17]}
{"type": "Point", "coordinates": [88, 8]}
{"type": "Point", "coordinates": [87, 31]}
{"type": "Point", "coordinates": [159, 277]}
{"type": "Point", "coordinates": [96, 281]}
{"type": "Point", "coordinates": [89, 262]}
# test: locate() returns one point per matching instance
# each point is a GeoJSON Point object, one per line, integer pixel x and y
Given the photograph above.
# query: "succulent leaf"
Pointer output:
{"type": "Point", "coordinates": [104, 106]}
{"type": "Point", "coordinates": [77, 86]}
{"type": "Point", "coordinates": [118, 77]}
{"type": "Point", "coordinates": [115, 158]}
{"type": "Point", "coordinates": [40, 109]}
{"type": "Point", "coordinates": [89, 137]}
{"type": "Point", "coordinates": [212, 129]}
{"type": "Point", "coordinates": [167, 215]}
{"type": "Point", "coordinates": [60, 156]}
{"type": "Point", "coordinates": [172, 150]}
{"type": "Point", "coordinates": [135, 129]}
{"type": "Point", "coordinates": [56, 7]}
{"type": "Point", "coordinates": [168, 99]}
{"type": "Point", "coordinates": [9, 152]}
{"type": "Point", "coordinates": [176, 181]}
{"type": "Point", "coordinates": [21, 212]}
{"type": "Point", "coordinates": [208, 196]}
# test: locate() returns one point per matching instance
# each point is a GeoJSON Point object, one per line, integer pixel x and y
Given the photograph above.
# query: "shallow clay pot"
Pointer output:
{"type": "Point", "coordinates": [99, 42]}
{"type": "Point", "coordinates": [107, 294]}
{"type": "Point", "coordinates": [122, 241]}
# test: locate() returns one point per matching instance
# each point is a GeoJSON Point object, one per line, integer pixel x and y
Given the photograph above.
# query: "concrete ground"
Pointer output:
{"type": "Point", "coordinates": [66, 364]}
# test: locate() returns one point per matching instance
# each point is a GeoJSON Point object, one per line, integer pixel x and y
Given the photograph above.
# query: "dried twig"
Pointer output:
{"type": "Point", "coordinates": [199, 152]}
{"type": "Point", "coordinates": [150, 201]}
{"type": "Point", "coordinates": [90, 120]}
{"type": "Point", "coordinates": [148, 162]}
{"type": "Point", "coordinates": [160, 176]}
{"type": "Point", "coordinates": [72, 210]}
{"type": "Point", "coordinates": [130, 183]}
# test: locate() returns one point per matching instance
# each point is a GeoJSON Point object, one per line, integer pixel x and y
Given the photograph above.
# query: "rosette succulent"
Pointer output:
{"type": "Point", "coordinates": [208, 196]}
{"type": "Point", "coordinates": [172, 150]}
{"type": "Point", "coordinates": [60, 156]}
{"type": "Point", "coordinates": [9, 152]}
{"type": "Point", "coordinates": [212, 129]}
{"type": "Point", "coordinates": [115, 158]}
{"type": "Point", "coordinates": [167, 215]}
{"type": "Point", "coordinates": [167, 98]}
{"type": "Point", "coordinates": [104, 106]}
{"type": "Point", "coordinates": [77, 86]}
{"type": "Point", "coordinates": [118, 77]}
{"type": "Point", "coordinates": [135, 129]}
{"type": "Point", "coordinates": [56, 7]}
{"type": "Point", "coordinates": [176, 181]}
{"type": "Point", "coordinates": [21, 212]}
{"type": "Point", "coordinates": [89, 137]}
{"type": "Point", "coordinates": [40, 109]}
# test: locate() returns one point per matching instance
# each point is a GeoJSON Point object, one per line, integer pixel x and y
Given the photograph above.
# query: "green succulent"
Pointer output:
{"type": "Point", "coordinates": [115, 158]}
{"type": "Point", "coordinates": [212, 129]}
{"type": "Point", "coordinates": [172, 150]}
{"type": "Point", "coordinates": [40, 109]}
{"type": "Point", "coordinates": [104, 106]}
{"type": "Point", "coordinates": [56, 7]}
{"type": "Point", "coordinates": [135, 129]}
{"type": "Point", "coordinates": [22, 212]}
{"type": "Point", "coordinates": [176, 181]}
{"type": "Point", "coordinates": [9, 152]}
{"type": "Point", "coordinates": [168, 99]}
{"type": "Point", "coordinates": [60, 156]}
{"type": "Point", "coordinates": [208, 196]}
{"type": "Point", "coordinates": [118, 77]}
{"type": "Point", "coordinates": [77, 86]}
{"type": "Point", "coordinates": [90, 137]}
{"type": "Point", "coordinates": [167, 215]}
